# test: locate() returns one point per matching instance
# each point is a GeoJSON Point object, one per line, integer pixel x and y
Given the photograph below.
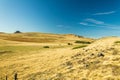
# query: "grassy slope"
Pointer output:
{"type": "Point", "coordinates": [24, 53]}
{"type": "Point", "coordinates": [88, 64]}
{"type": "Point", "coordinates": [42, 37]}
{"type": "Point", "coordinates": [60, 61]}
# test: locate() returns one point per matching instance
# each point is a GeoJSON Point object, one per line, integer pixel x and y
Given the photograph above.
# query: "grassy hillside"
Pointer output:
{"type": "Point", "coordinates": [84, 60]}
{"type": "Point", "coordinates": [26, 53]}
{"type": "Point", "coordinates": [42, 37]}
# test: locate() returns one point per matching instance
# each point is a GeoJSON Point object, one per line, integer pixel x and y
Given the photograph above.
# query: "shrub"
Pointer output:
{"type": "Point", "coordinates": [117, 42]}
{"type": "Point", "coordinates": [81, 46]}
{"type": "Point", "coordinates": [83, 42]}
{"type": "Point", "coordinates": [69, 43]}
{"type": "Point", "coordinates": [17, 32]}
{"type": "Point", "coordinates": [2, 52]}
{"type": "Point", "coordinates": [46, 47]}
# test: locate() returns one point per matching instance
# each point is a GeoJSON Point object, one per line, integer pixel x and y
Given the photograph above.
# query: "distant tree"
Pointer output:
{"type": "Point", "coordinates": [17, 32]}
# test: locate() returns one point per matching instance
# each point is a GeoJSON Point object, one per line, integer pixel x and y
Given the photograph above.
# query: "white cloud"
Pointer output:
{"type": "Point", "coordinates": [86, 24]}
{"type": "Point", "coordinates": [94, 21]}
{"type": "Point", "coordinates": [105, 13]}
{"type": "Point", "coordinates": [83, 23]}
{"type": "Point", "coordinates": [97, 23]}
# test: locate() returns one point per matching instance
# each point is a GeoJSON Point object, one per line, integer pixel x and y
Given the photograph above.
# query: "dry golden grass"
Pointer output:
{"type": "Point", "coordinates": [42, 37]}
{"type": "Point", "coordinates": [97, 61]}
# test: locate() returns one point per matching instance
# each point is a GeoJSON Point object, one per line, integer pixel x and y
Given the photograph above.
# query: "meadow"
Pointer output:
{"type": "Point", "coordinates": [60, 59]}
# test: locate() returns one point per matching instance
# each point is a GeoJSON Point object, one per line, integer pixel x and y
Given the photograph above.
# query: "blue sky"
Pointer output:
{"type": "Point", "coordinates": [90, 18]}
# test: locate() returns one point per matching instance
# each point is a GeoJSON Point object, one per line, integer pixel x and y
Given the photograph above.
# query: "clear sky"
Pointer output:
{"type": "Point", "coordinates": [90, 18]}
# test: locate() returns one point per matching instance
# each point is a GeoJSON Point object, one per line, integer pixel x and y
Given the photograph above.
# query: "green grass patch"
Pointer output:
{"type": "Point", "coordinates": [83, 42]}
{"type": "Point", "coordinates": [117, 42]}
{"type": "Point", "coordinates": [81, 46]}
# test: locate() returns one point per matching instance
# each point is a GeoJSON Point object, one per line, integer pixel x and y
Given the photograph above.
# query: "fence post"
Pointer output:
{"type": "Point", "coordinates": [6, 78]}
{"type": "Point", "coordinates": [15, 76]}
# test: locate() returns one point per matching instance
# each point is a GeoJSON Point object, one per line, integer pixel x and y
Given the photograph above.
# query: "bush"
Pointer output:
{"type": "Point", "coordinates": [83, 42]}
{"type": "Point", "coordinates": [46, 47]}
{"type": "Point", "coordinates": [69, 43]}
{"type": "Point", "coordinates": [79, 46]}
{"type": "Point", "coordinates": [117, 42]}
{"type": "Point", "coordinates": [17, 32]}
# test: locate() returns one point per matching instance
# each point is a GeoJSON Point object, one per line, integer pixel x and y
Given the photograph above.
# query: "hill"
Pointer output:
{"type": "Point", "coordinates": [98, 60]}
{"type": "Point", "coordinates": [42, 37]}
